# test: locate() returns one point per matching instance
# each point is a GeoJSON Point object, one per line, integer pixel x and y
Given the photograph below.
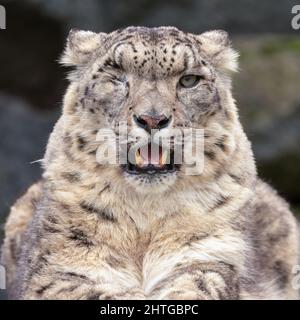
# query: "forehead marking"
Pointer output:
{"type": "Point", "coordinates": [153, 41]}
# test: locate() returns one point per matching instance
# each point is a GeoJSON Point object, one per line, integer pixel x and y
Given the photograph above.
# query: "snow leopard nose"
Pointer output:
{"type": "Point", "coordinates": [152, 122]}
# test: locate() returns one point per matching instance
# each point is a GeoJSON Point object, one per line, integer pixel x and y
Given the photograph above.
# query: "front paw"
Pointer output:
{"type": "Point", "coordinates": [183, 295]}
{"type": "Point", "coordinates": [129, 294]}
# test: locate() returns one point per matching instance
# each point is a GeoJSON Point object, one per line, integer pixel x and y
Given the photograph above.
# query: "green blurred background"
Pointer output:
{"type": "Point", "coordinates": [32, 83]}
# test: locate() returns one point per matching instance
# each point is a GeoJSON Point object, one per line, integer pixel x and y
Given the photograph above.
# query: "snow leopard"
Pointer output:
{"type": "Point", "coordinates": [146, 229]}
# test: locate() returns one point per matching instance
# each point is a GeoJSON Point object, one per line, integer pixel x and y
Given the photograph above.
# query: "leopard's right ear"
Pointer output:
{"type": "Point", "coordinates": [81, 47]}
{"type": "Point", "coordinates": [217, 46]}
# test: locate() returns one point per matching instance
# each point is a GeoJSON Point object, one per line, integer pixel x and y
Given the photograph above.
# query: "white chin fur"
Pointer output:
{"type": "Point", "coordinates": [153, 184]}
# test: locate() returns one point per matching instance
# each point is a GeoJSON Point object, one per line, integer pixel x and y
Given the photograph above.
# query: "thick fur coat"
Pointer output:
{"type": "Point", "coordinates": [91, 230]}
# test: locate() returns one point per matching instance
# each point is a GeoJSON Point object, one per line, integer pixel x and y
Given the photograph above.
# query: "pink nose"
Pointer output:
{"type": "Point", "coordinates": [152, 122]}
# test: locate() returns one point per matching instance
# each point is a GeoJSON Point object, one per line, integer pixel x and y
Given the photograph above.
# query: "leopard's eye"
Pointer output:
{"type": "Point", "coordinates": [189, 81]}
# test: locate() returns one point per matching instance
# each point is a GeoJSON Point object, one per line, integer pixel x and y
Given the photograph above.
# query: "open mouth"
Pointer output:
{"type": "Point", "coordinates": [151, 159]}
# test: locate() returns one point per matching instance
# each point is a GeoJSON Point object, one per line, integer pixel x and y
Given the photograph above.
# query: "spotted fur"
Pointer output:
{"type": "Point", "coordinates": [91, 231]}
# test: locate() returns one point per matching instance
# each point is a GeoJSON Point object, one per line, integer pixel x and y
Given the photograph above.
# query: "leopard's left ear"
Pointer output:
{"type": "Point", "coordinates": [81, 47]}
{"type": "Point", "coordinates": [217, 47]}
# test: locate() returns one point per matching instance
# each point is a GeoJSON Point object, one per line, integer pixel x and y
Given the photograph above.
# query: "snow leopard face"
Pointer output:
{"type": "Point", "coordinates": [160, 84]}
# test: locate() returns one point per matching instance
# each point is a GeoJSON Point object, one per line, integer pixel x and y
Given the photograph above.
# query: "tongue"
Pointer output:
{"type": "Point", "coordinates": [150, 155]}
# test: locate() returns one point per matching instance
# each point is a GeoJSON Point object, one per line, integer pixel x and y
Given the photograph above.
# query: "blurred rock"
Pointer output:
{"type": "Point", "coordinates": [3, 295]}
{"type": "Point", "coordinates": [267, 92]}
{"type": "Point", "coordinates": [191, 15]}
{"type": "Point", "coordinates": [24, 134]}
{"type": "Point", "coordinates": [30, 48]}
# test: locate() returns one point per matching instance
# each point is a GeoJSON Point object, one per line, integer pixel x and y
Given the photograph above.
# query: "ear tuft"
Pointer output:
{"type": "Point", "coordinates": [81, 45]}
{"type": "Point", "coordinates": [217, 47]}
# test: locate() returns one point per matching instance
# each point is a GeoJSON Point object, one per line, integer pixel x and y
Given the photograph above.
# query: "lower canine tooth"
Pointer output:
{"type": "Point", "coordinates": [138, 159]}
{"type": "Point", "coordinates": [163, 158]}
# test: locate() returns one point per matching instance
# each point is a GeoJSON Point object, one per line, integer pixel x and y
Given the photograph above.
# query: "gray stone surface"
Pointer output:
{"type": "Point", "coordinates": [24, 133]}
{"type": "Point", "coordinates": [267, 92]}
{"type": "Point", "coordinates": [244, 16]}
